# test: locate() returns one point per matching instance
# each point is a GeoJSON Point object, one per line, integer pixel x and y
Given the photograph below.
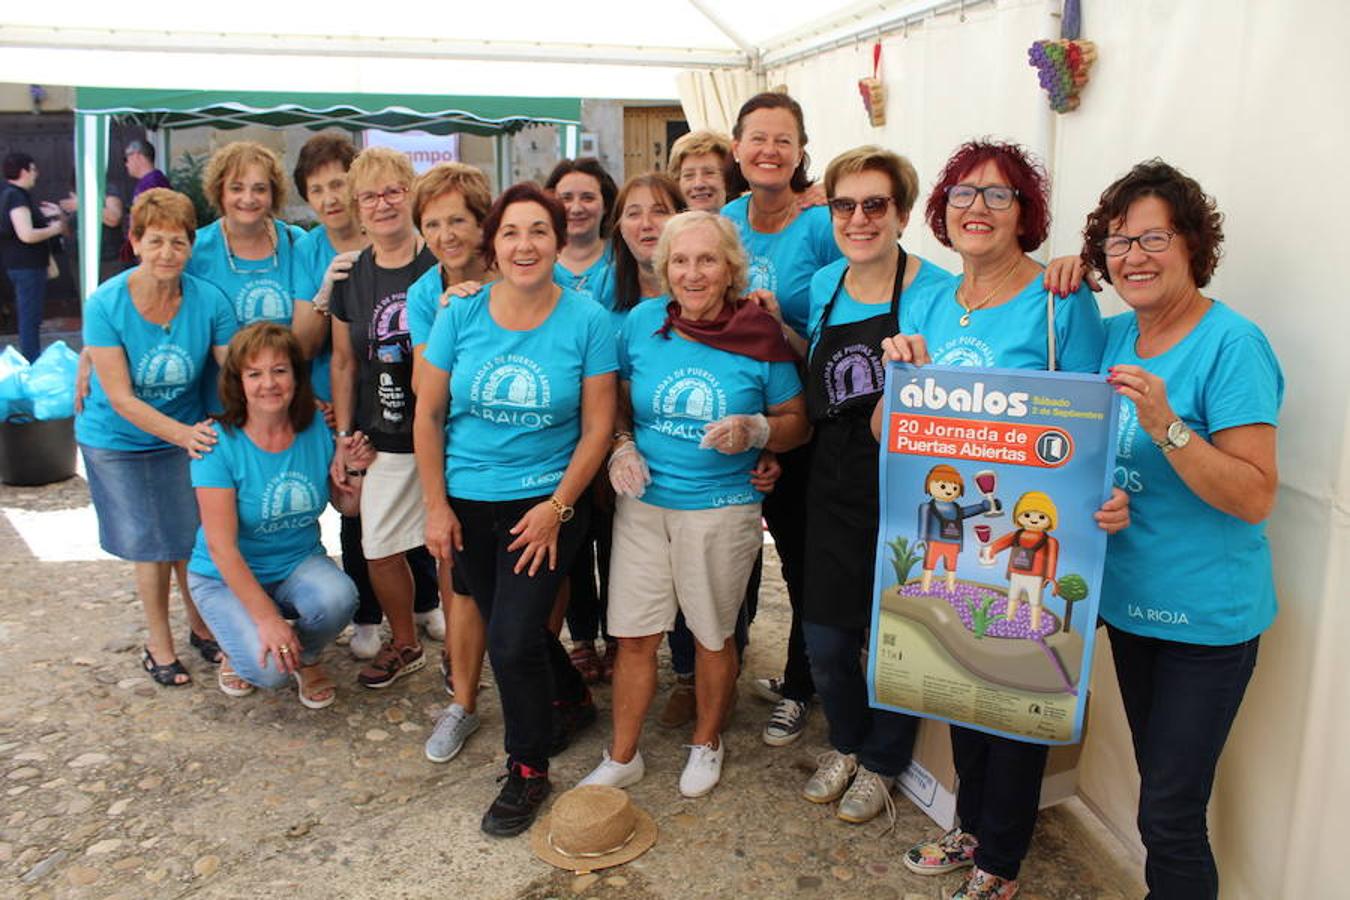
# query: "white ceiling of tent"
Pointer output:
{"type": "Point", "coordinates": [605, 48]}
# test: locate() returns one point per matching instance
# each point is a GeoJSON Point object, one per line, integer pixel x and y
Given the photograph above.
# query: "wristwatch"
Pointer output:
{"type": "Point", "coordinates": [565, 512]}
{"type": "Point", "coordinates": [1178, 436]}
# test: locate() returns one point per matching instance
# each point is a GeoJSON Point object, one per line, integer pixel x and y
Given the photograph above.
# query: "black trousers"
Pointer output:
{"type": "Point", "coordinates": [529, 663]}
{"type": "Point", "coordinates": [998, 796]}
{"type": "Point", "coordinates": [426, 595]}
{"type": "Point", "coordinates": [785, 514]}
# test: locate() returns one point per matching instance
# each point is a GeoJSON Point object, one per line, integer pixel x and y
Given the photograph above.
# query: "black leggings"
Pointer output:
{"type": "Point", "coordinates": [426, 596]}
{"type": "Point", "coordinates": [528, 662]}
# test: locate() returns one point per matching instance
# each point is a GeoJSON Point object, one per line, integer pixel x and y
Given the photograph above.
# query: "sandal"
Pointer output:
{"type": "Point", "coordinates": [229, 682]}
{"type": "Point", "coordinates": [207, 647]}
{"type": "Point", "coordinates": [585, 661]}
{"type": "Point", "coordinates": [167, 674]}
{"type": "Point", "coordinates": [316, 692]}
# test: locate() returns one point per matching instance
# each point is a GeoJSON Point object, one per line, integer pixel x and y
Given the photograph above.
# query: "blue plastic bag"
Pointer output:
{"type": "Point", "coordinates": [51, 382]}
{"type": "Point", "coordinates": [14, 384]}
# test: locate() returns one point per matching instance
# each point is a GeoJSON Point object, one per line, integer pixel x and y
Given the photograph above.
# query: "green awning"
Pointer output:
{"type": "Point", "coordinates": [277, 109]}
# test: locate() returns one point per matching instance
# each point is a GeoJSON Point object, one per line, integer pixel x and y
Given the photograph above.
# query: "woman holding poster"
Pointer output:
{"type": "Point", "coordinates": [1185, 600]}
{"type": "Point", "coordinates": [991, 206]}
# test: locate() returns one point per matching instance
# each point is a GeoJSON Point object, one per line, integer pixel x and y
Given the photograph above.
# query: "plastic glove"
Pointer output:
{"type": "Point", "coordinates": [628, 471]}
{"type": "Point", "coordinates": [338, 270]}
{"type": "Point", "coordinates": [735, 434]}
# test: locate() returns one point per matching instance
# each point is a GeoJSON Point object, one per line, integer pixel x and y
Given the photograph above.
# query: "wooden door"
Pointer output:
{"type": "Point", "coordinates": [648, 132]}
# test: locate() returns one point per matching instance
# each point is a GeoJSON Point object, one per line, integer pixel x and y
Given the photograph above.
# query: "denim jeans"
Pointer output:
{"type": "Point", "coordinates": [30, 290]}
{"type": "Point", "coordinates": [316, 595]}
{"type": "Point", "coordinates": [883, 741]}
{"type": "Point", "coordinates": [998, 795]}
{"type": "Point", "coordinates": [1180, 700]}
{"type": "Point", "coordinates": [528, 661]}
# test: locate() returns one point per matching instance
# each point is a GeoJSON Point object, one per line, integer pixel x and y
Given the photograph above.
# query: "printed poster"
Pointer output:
{"type": "Point", "coordinates": [989, 561]}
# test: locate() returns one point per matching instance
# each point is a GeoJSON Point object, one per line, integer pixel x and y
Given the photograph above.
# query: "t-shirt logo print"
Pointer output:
{"type": "Point", "coordinates": [262, 298]}
{"type": "Point", "coordinates": [512, 390]}
{"type": "Point", "coordinates": [964, 351]}
{"type": "Point", "coordinates": [289, 501]}
{"type": "Point", "coordinates": [686, 399]}
{"type": "Point", "coordinates": [852, 371]}
{"type": "Point", "coordinates": [163, 373]}
{"type": "Point", "coordinates": [762, 275]}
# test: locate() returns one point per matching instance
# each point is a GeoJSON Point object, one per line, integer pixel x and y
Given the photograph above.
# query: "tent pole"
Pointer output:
{"type": "Point", "coordinates": [91, 154]}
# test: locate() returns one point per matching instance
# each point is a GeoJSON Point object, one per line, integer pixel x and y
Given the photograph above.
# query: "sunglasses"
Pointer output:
{"type": "Point", "coordinates": [872, 207]}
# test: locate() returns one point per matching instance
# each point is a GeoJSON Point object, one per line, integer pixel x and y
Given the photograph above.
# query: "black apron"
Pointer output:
{"type": "Point", "coordinates": [844, 379]}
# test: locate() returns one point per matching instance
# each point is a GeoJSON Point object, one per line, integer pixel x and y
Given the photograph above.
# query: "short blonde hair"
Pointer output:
{"type": "Point", "coordinates": [871, 158]}
{"type": "Point", "coordinates": [729, 242]}
{"type": "Point", "coordinates": [234, 158]}
{"type": "Point", "coordinates": [698, 143]}
{"type": "Point", "coordinates": [163, 208]}
{"type": "Point", "coordinates": [372, 163]}
{"type": "Point", "coordinates": [444, 178]}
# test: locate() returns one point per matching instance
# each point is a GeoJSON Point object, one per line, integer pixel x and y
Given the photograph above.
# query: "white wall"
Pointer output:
{"type": "Point", "coordinates": [1251, 98]}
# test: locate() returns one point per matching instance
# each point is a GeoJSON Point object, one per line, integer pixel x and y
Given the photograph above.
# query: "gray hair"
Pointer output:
{"type": "Point", "coordinates": [144, 148]}
{"type": "Point", "coordinates": [728, 241]}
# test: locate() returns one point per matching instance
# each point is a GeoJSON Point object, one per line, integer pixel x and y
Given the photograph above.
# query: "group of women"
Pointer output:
{"type": "Point", "coordinates": [640, 374]}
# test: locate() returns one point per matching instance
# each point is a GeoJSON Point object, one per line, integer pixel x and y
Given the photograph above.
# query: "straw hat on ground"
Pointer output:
{"type": "Point", "coordinates": [592, 827]}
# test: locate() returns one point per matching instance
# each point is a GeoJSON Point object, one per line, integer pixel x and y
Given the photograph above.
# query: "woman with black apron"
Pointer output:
{"type": "Point", "coordinates": [854, 303]}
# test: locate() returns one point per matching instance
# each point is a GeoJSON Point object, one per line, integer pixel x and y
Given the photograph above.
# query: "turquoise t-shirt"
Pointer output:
{"type": "Point", "coordinates": [847, 310]}
{"type": "Point", "coordinates": [313, 253]}
{"type": "Point", "coordinates": [678, 386]}
{"type": "Point", "coordinates": [259, 288]}
{"type": "Point", "coordinates": [424, 305]}
{"type": "Point", "coordinates": [1183, 570]}
{"type": "Point", "coordinates": [589, 281]}
{"type": "Point", "coordinates": [278, 496]}
{"type": "Point", "coordinates": [165, 362]}
{"type": "Point", "coordinates": [515, 396]}
{"type": "Point", "coordinates": [1014, 335]}
{"type": "Point", "coordinates": [785, 262]}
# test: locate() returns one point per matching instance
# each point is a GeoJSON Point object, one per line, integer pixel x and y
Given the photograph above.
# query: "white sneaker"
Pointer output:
{"type": "Point", "coordinates": [834, 771]}
{"type": "Point", "coordinates": [769, 690]}
{"type": "Point", "coordinates": [703, 770]}
{"type": "Point", "coordinates": [433, 623]}
{"type": "Point", "coordinates": [366, 641]}
{"type": "Point", "coordinates": [616, 774]}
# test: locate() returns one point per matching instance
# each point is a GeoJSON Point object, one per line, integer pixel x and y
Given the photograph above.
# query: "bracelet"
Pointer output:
{"type": "Point", "coordinates": [343, 434]}
{"type": "Point", "coordinates": [355, 473]}
{"type": "Point", "coordinates": [622, 436]}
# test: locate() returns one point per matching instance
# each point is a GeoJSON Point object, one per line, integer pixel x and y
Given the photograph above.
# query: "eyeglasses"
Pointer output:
{"type": "Point", "coordinates": [391, 195]}
{"type": "Point", "coordinates": [872, 207]}
{"type": "Point", "coordinates": [996, 196]}
{"type": "Point", "coordinates": [1155, 240]}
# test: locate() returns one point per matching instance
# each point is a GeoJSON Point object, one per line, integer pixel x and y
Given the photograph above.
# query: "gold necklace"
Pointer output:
{"type": "Point", "coordinates": [965, 318]}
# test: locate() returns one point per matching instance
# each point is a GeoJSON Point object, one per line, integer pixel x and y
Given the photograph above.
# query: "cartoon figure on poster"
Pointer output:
{"type": "Point", "coordinates": [1032, 553]}
{"type": "Point", "coordinates": [941, 521]}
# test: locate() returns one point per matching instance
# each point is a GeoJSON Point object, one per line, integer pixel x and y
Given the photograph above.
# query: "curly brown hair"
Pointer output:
{"type": "Point", "coordinates": [244, 348]}
{"type": "Point", "coordinates": [231, 160]}
{"type": "Point", "coordinates": [1195, 215]}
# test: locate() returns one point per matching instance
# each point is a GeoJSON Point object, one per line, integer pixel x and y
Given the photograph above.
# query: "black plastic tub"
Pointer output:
{"type": "Point", "coordinates": [34, 452]}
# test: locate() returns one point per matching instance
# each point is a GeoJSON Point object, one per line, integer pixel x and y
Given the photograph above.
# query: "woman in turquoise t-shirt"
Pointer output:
{"type": "Point", "coordinates": [1188, 589]}
{"type": "Point", "coordinates": [149, 333]}
{"type": "Point", "coordinates": [587, 194]}
{"type": "Point", "coordinates": [708, 381]}
{"type": "Point", "coordinates": [258, 562]}
{"type": "Point", "coordinates": [991, 205]}
{"type": "Point", "coordinates": [787, 243]}
{"type": "Point", "coordinates": [527, 369]}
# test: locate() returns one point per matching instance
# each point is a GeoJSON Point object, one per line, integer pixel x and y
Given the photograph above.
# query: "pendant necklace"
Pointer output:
{"type": "Point", "coordinates": [970, 308]}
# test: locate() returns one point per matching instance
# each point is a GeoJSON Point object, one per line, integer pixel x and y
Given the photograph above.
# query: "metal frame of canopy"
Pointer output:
{"type": "Point", "coordinates": [165, 111]}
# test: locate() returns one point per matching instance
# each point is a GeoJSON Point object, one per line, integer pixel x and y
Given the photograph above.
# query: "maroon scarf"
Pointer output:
{"type": "Point", "coordinates": [742, 326]}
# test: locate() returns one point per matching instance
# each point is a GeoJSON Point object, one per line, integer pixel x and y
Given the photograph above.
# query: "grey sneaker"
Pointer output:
{"type": "Point", "coordinates": [451, 732]}
{"type": "Point", "coordinates": [785, 723]}
{"type": "Point", "coordinates": [767, 689]}
{"type": "Point", "coordinates": [869, 795]}
{"type": "Point", "coordinates": [834, 770]}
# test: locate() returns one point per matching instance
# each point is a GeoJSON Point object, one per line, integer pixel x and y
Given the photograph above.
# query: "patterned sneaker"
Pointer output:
{"type": "Point", "coordinates": [518, 803]}
{"type": "Point", "coordinates": [391, 664]}
{"type": "Point", "coordinates": [982, 885]}
{"type": "Point", "coordinates": [954, 850]}
{"type": "Point", "coordinates": [869, 795]}
{"type": "Point", "coordinates": [786, 723]}
{"type": "Point", "coordinates": [681, 705]}
{"type": "Point", "coordinates": [451, 732]}
{"type": "Point", "coordinates": [585, 661]}
{"type": "Point", "coordinates": [834, 770]}
{"type": "Point", "coordinates": [768, 689]}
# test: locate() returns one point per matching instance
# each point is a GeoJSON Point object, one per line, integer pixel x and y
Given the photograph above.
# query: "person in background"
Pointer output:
{"type": "Point", "coordinates": [324, 256]}
{"type": "Point", "coordinates": [139, 157]}
{"type": "Point", "coordinates": [148, 333]}
{"type": "Point", "coordinates": [449, 206]}
{"type": "Point", "coordinates": [788, 241]}
{"type": "Point", "coordinates": [527, 370]}
{"type": "Point", "coordinates": [27, 231]}
{"type": "Point", "coordinates": [708, 381]}
{"type": "Point", "coordinates": [1202, 391]}
{"type": "Point", "coordinates": [991, 205]}
{"type": "Point", "coordinates": [258, 569]}
{"type": "Point", "coordinates": [587, 193]}
{"type": "Point", "coordinates": [856, 303]}
{"type": "Point", "coordinates": [699, 162]}
{"type": "Point", "coordinates": [373, 391]}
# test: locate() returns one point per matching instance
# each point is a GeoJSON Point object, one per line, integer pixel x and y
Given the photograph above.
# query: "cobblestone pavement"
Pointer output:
{"type": "Point", "coordinates": [115, 787]}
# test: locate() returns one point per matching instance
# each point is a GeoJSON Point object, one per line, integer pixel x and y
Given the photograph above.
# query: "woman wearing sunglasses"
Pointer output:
{"type": "Point", "coordinates": [991, 205]}
{"type": "Point", "coordinates": [855, 305]}
{"type": "Point", "coordinates": [373, 392]}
